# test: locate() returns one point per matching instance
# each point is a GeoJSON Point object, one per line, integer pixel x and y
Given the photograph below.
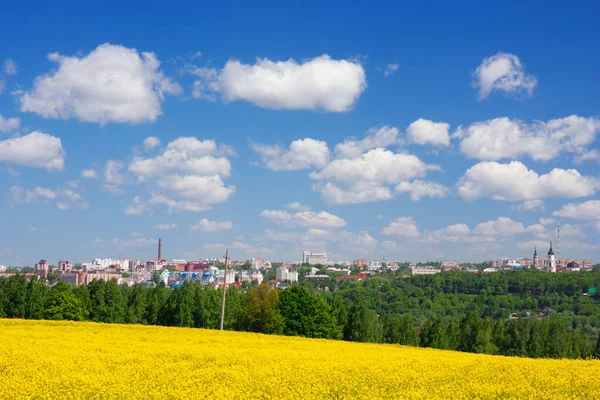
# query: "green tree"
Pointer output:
{"type": "Point", "coordinates": [63, 304]}
{"type": "Point", "coordinates": [401, 330]}
{"type": "Point", "coordinates": [36, 298]}
{"type": "Point", "coordinates": [260, 312]}
{"type": "Point", "coordinates": [306, 315]}
{"type": "Point", "coordinates": [136, 305]}
{"type": "Point", "coordinates": [363, 324]}
{"type": "Point", "coordinates": [15, 289]}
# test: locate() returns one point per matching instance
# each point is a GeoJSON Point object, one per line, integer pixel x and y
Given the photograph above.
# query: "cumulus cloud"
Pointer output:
{"type": "Point", "coordinates": [403, 226]}
{"type": "Point", "coordinates": [307, 219]}
{"type": "Point", "coordinates": [503, 72]}
{"type": "Point", "coordinates": [206, 225]}
{"type": "Point", "coordinates": [547, 221]}
{"type": "Point", "coordinates": [501, 138]}
{"type": "Point", "coordinates": [63, 198]}
{"type": "Point", "coordinates": [10, 67]}
{"type": "Point", "coordinates": [297, 206]}
{"type": "Point", "coordinates": [37, 149]}
{"type": "Point", "coordinates": [302, 154]}
{"type": "Point", "coordinates": [320, 83]}
{"type": "Point", "coordinates": [420, 188]}
{"type": "Point", "coordinates": [88, 174]}
{"type": "Point", "coordinates": [530, 205]}
{"type": "Point", "coordinates": [503, 226]}
{"type": "Point", "coordinates": [188, 175]}
{"type": "Point", "coordinates": [137, 207]}
{"type": "Point", "coordinates": [367, 178]}
{"type": "Point", "coordinates": [382, 137]}
{"type": "Point", "coordinates": [515, 182]}
{"type": "Point", "coordinates": [424, 131]}
{"type": "Point", "coordinates": [164, 227]}
{"type": "Point", "coordinates": [390, 69]}
{"type": "Point", "coordinates": [151, 142]}
{"type": "Point", "coordinates": [589, 210]}
{"type": "Point", "coordinates": [111, 84]}
{"type": "Point", "coordinates": [592, 155]}
{"type": "Point", "coordinates": [9, 124]}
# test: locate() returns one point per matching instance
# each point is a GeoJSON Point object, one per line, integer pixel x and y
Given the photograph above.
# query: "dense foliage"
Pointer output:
{"type": "Point", "coordinates": [524, 313]}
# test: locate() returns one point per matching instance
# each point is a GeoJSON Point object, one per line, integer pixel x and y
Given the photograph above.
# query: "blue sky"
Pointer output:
{"type": "Point", "coordinates": [409, 130]}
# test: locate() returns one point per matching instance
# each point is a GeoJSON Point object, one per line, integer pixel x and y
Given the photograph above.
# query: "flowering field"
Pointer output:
{"type": "Point", "coordinates": [51, 360]}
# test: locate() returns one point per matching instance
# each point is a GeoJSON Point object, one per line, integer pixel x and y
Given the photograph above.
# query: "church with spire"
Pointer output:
{"type": "Point", "coordinates": [551, 261]}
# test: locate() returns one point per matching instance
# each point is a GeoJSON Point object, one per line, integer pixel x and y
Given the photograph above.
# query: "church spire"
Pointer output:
{"type": "Point", "coordinates": [550, 252]}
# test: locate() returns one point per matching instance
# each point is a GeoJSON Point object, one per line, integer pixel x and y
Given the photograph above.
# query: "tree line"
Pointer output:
{"type": "Point", "coordinates": [493, 314]}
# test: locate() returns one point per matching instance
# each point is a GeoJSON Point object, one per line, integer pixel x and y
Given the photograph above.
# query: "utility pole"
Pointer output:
{"type": "Point", "coordinates": [224, 289]}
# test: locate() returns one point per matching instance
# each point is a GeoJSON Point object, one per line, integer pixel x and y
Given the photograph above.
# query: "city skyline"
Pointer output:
{"type": "Point", "coordinates": [372, 133]}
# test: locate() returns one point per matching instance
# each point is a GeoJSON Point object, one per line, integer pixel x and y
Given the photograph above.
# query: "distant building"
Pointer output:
{"type": "Point", "coordinates": [317, 277]}
{"type": "Point", "coordinates": [424, 271]}
{"type": "Point", "coordinates": [360, 263]}
{"type": "Point", "coordinates": [285, 274]}
{"type": "Point", "coordinates": [65, 266]}
{"type": "Point", "coordinates": [250, 276]}
{"type": "Point", "coordinates": [535, 257]}
{"type": "Point", "coordinates": [551, 260]}
{"type": "Point", "coordinates": [314, 258]}
{"type": "Point", "coordinates": [257, 263]}
{"type": "Point", "coordinates": [2, 268]}
{"type": "Point", "coordinates": [448, 265]}
{"type": "Point", "coordinates": [42, 268]}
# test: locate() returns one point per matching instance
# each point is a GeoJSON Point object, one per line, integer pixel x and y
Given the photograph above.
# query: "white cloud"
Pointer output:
{"type": "Point", "coordinates": [376, 137]}
{"type": "Point", "coordinates": [64, 198]}
{"type": "Point", "coordinates": [111, 84]}
{"type": "Point", "coordinates": [503, 226]}
{"type": "Point", "coordinates": [457, 229]}
{"type": "Point", "coordinates": [514, 182]}
{"type": "Point", "coordinates": [420, 188]}
{"type": "Point", "coordinates": [164, 227]}
{"type": "Point", "coordinates": [542, 141]}
{"type": "Point", "coordinates": [206, 225]}
{"type": "Point", "coordinates": [592, 155]}
{"type": "Point", "coordinates": [346, 181]}
{"type": "Point", "coordinates": [568, 230]}
{"type": "Point", "coordinates": [36, 149]}
{"type": "Point", "coordinates": [151, 142]}
{"type": "Point", "coordinates": [320, 83]}
{"type": "Point", "coordinates": [547, 221]}
{"type": "Point", "coordinates": [537, 230]}
{"type": "Point", "coordinates": [503, 72]}
{"type": "Point", "coordinates": [530, 205]}
{"type": "Point", "coordinates": [403, 226]}
{"type": "Point", "coordinates": [307, 219]}
{"type": "Point", "coordinates": [424, 131]}
{"type": "Point", "coordinates": [392, 246]}
{"type": "Point", "coordinates": [137, 207]}
{"type": "Point", "coordinates": [303, 154]}
{"type": "Point", "coordinates": [10, 124]}
{"type": "Point", "coordinates": [10, 67]}
{"type": "Point", "coordinates": [590, 210]}
{"type": "Point", "coordinates": [390, 69]}
{"type": "Point", "coordinates": [297, 206]}
{"type": "Point", "coordinates": [112, 172]}
{"type": "Point", "coordinates": [88, 174]}
{"type": "Point", "coordinates": [188, 175]}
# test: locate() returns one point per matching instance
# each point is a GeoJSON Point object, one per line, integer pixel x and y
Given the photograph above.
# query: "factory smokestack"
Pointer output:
{"type": "Point", "coordinates": [159, 250]}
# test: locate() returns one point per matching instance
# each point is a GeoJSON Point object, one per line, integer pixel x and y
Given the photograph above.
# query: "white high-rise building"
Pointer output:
{"type": "Point", "coordinates": [314, 258]}
{"type": "Point", "coordinates": [285, 274]}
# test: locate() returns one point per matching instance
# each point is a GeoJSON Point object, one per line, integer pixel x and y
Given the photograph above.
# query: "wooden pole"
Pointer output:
{"type": "Point", "coordinates": [224, 289]}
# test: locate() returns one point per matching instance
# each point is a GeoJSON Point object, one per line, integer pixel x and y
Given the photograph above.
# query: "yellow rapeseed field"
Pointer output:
{"type": "Point", "coordinates": [56, 360]}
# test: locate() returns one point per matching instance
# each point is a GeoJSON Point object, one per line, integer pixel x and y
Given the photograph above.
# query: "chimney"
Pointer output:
{"type": "Point", "coordinates": [159, 250]}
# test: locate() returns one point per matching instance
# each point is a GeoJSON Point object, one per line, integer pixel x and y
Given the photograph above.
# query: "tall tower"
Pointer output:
{"type": "Point", "coordinates": [551, 260]}
{"type": "Point", "coordinates": [558, 244]}
{"type": "Point", "coordinates": [159, 250]}
{"type": "Point", "coordinates": [535, 258]}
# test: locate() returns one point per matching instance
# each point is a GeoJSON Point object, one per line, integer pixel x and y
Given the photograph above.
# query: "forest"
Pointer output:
{"type": "Point", "coordinates": [519, 313]}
